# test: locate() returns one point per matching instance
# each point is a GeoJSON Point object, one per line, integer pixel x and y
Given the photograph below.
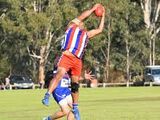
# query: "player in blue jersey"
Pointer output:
{"type": "Point", "coordinates": [62, 95]}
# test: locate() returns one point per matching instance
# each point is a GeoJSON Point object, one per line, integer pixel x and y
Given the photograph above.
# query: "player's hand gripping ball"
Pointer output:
{"type": "Point", "coordinates": [99, 11]}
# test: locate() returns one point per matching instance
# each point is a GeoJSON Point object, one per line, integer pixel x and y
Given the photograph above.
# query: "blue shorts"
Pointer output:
{"type": "Point", "coordinates": [60, 94]}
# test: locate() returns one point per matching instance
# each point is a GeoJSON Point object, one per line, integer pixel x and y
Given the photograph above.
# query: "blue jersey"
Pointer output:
{"type": "Point", "coordinates": [62, 90]}
{"type": "Point", "coordinates": [65, 82]}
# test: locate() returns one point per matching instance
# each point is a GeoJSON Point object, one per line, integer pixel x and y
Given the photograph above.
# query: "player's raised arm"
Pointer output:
{"type": "Point", "coordinates": [94, 32]}
{"type": "Point", "coordinates": [87, 13]}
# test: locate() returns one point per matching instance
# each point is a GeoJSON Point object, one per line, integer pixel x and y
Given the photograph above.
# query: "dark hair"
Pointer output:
{"type": "Point", "coordinates": [49, 75]}
{"type": "Point", "coordinates": [48, 78]}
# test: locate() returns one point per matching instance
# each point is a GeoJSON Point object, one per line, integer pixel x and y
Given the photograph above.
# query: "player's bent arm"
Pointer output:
{"type": "Point", "coordinates": [86, 13]}
{"type": "Point", "coordinates": [94, 32]}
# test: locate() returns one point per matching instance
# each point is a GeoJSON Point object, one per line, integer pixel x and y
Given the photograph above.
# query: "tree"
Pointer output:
{"type": "Point", "coordinates": [151, 11]}
{"type": "Point", "coordinates": [32, 24]}
{"type": "Point", "coordinates": [126, 27]}
{"type": "Point", "coordinates": [31, 31]}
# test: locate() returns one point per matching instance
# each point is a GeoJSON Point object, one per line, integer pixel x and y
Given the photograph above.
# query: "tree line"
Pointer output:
{"type": "Point", "coordinates": [31, 32]}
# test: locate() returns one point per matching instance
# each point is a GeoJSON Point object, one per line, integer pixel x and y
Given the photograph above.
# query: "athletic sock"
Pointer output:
{"type": "Point", "coordinates": [47, 94]}
{"type": "Point", "coordinates": [49, 118]}
{"type": "Point", "coordinates": [75, 105]}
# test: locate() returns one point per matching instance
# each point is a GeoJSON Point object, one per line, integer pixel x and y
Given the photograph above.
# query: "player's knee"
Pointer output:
{"type": "Point", "coordinates": [65, 111]}
{"type": "Point", "coordinates": [74, 87]}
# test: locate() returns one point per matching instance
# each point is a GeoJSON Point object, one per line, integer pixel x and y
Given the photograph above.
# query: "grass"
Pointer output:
{"type": "Point", "coordinates": [134, 103]}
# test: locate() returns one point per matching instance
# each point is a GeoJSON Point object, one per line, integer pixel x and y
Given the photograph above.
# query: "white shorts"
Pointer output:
{"type": "Point", "coordinates": [66, 101]}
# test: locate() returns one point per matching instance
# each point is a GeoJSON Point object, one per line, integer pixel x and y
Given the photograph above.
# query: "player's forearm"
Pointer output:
{"type": "Point", "coordinates": [85, 14]}
{"type": "Point", "coordinates": [101, 25]}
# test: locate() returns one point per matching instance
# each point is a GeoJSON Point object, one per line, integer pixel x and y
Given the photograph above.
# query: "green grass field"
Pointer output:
{"type": "Point", "coordinates": [134, 103]}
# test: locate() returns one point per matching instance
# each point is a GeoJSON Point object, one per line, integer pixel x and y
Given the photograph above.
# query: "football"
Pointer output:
{"type": "Point", "coordinates": [99, 11]}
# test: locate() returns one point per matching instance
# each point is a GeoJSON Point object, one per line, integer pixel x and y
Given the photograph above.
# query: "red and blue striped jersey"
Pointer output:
{"type": "Point", "coordinates": [75, 41]}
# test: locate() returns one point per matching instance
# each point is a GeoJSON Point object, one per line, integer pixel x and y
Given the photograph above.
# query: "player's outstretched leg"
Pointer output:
{"type": "Point", "coordinates": [75, 111]}
{"type": "Point", "coordinates": [45, 100]}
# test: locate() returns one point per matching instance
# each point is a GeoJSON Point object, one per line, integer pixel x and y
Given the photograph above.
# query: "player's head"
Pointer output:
{"type": "Point", "coordinates": [50, 74]}
{"type": "Point", "coordinates": [48, 78]}
{"type": "Point", "coordinates": [77, 22]}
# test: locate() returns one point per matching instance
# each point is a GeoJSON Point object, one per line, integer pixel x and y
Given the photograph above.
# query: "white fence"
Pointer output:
{"type": "Point", "coordinates": [127, 84]}
{"type": "Point", "coordinates": [83, 85]}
